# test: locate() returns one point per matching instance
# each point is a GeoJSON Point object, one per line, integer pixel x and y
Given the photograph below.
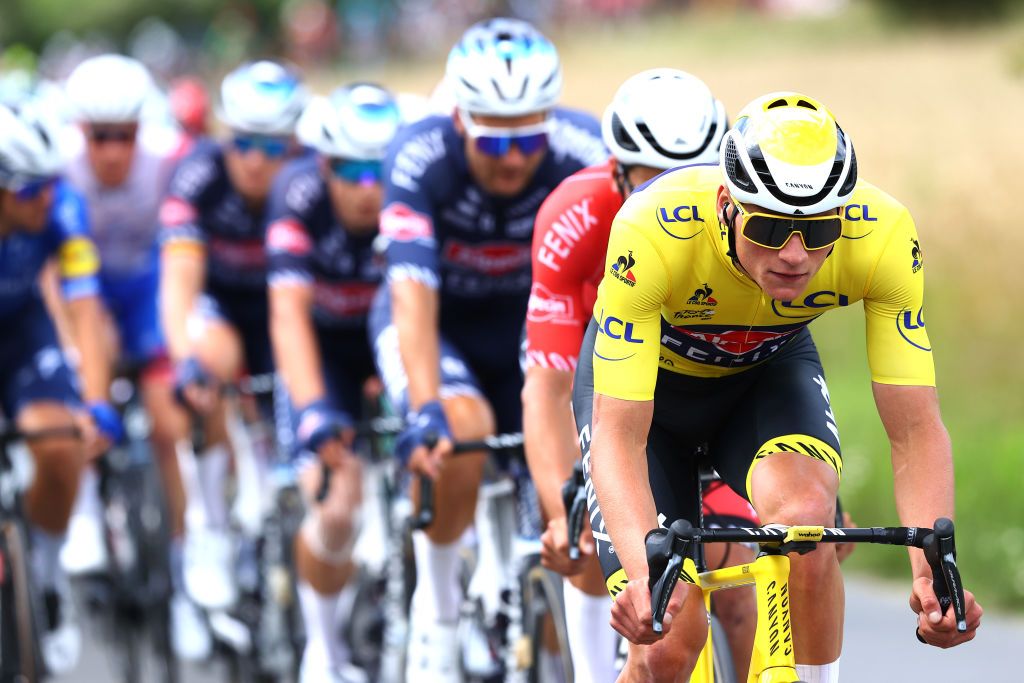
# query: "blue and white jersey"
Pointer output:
{"type": "Point", "coordinates": [66, 236]}
{"type": "Point", "coordinates": [203, 209]}
{"type": "Point", "coordinates": [125, 219]}
{"type": "Point", "coordinates": [306, 244]}
{"type": "Point", "coordinates": [443, 230]}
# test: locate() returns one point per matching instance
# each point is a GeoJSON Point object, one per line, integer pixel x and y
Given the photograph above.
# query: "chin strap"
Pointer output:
{"type": "Point", "coordinates": [728, 221]}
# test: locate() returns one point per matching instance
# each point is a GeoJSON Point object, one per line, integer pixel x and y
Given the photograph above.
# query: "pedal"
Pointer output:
{"type": "Point", "coordinates": [231, 632]}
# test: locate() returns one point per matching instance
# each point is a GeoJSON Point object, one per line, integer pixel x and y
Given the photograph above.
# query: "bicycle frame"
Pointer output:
{"type": "Point", "coordinates": [772, 658]}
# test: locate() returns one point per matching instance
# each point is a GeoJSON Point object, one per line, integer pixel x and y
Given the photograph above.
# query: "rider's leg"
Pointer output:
{"type": "Point", "coordinates": [169, 425]}
{"type": "Point", "coordinates": [437, 595]}
{"type": "Point", "coordinates": [323, 558]}
{"type": "Point", "coordinates": [671, 659]}
{"type": "Point", "coordinates": [592, 641]}
{"type": "Point", "coordinates": [792, 488]}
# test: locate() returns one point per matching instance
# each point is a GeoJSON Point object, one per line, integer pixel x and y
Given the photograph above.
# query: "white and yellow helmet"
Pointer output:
{"type": "Point", "coordinates": [787, 153]}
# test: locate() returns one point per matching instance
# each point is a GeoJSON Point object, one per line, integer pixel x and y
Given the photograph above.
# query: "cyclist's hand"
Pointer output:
{"type": "Point", "coordinates": [194, 388]}
{"type": "Point", "coordinates": [429, 422]}
{"type": "Point", "coordinates": [632, 616]}
{"type": "Point", "coordinates": [325, 431]}
{"type": "Point", "coordinates": [428, 462]}
{"type": "Point", "coordinates": [843, 550]}
{"type": "Point", "coordinates": [106, 429]}
{"type": "Point", "coordinates": [554, 553]}
{"type": "Point", "coordinates": [938, 629]}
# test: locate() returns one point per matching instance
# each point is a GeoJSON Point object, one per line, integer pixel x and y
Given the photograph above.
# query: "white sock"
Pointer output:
{"type": "Point", "coordinates": [175, 553]}
{"type": "Point", "coordinates": [592, 641]}
{"type": "Point", "coordinates": [44, 561]}
{"type": "Point", "coordinates": [818, 673]}
{"type": "Point", "coordinates": [213, 467]}
{"type": "Point", "coordinates": [88, 502]}
{"type": "Point", "coordinates": [550, 667]}
{"type": "Point", "coordinates": [438, 595]}
{"type": "Point", "coordinates": [321, 612]}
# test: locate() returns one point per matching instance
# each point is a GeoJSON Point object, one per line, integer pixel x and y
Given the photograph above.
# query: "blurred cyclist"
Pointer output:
{"type": "Point", "coordinates": [213, 287]}
{"type": "Point", "coordinates": [323, 275]}
{"type": "Point", "coordinates": [190, 107]}
{"type": "Point", "coordinates": [123, 180]}
{"type": "Point", "coordinates": [41, 219]}
{"type": "Point", "coordinates": [460, 196]}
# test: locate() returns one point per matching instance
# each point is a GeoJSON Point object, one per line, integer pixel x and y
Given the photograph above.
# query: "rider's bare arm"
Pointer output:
{"type": "Point", "coordinates": [415, 312]}
{"type": "Point", "coordinates": [618, 462]}
{"type": "Point", "coordinates": [922, 458]}
{"type": "Point", "coordinates": [183, 272]}
{"type": "Point", "coordinates": [86, 316]}
{"type": "Point", "coordinates": [550, 434]}
{"type": "Point", "coordinates": [296, 351]}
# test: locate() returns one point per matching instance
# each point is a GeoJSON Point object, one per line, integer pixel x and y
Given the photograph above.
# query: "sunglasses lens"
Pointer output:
{"type": "Point", "coordinates": [492, 145]}
{"type": "Point", "coordinates": [358, 171]}
{"type": "Point", "coordinates": [272, 148]}
{"type": "Point", "coordinates": [32, 190]}
{"type": "Point", "coordinates": [528, 144]}
{"type": "Point", "coordinates": [773, 232]}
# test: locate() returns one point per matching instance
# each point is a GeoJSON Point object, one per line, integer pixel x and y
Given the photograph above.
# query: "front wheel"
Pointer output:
{"type": "Point", "coordinates": [545, 643]}
{"type": "Point", "coordinates": [19, 653]}
{"type": "Point", "coordinates": [725, 670]}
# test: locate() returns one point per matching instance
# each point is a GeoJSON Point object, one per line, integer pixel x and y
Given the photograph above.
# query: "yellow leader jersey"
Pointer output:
{"type": "Point", "coordinates": [672, 298]}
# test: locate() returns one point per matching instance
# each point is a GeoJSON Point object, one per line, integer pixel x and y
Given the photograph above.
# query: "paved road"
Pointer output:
{"type": "Point", "coordinates": [880, 646]}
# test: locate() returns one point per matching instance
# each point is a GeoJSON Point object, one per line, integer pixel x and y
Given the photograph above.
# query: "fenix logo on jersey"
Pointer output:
{"type": "Point", "coordinates": [345, 299]}
{"type": "Point", "coordinates": [621, 270]}
{"type": "Point", "coordinates": [565, 232]}
{"type": "Point", "coordinates": [546, 306]}
{"type": "Point", "coordinates": [287, 236]}
{"type": "Point", "coordinates": [715, 345]}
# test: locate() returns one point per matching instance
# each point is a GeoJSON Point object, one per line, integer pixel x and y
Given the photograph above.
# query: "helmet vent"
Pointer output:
{"type": "Point", "coordinates": [734, 169]}
{"type": "Point", "coordinates": [622, 137]}
{"type": "Point", "coordinates": [851, 177]}
{"type": "Point", "coordinates": [806, 105]}
{"type": "Point", "coordinates": [777, 103]}
{"type": "Point", "coordinates": [469, 85]}
{"type": "Point", "coordinates": [327, 133]}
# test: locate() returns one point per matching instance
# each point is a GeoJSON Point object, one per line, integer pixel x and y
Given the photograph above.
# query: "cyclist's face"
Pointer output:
{"type": "Point", "coordinates": [506, 175]}
{"type": "Point", "coordinates": [29, 215]}
{"type": "Point", "coordinates": [252, 170]}
{"type": "Point", "coordinates": [356, 204]}
{"type": "Point", "coordinates": [783, 274]}
{"type": "Point", "coordinates": [111, 150]}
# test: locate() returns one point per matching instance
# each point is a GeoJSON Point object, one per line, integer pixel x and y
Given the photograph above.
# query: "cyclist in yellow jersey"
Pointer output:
{"type": "Point", "coordinates": [700, 334]}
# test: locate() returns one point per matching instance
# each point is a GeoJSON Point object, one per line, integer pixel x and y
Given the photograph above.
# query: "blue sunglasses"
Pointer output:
{"type": "Point", "coordinates": [270, 146]}
{"type": "Point", "coordinates": [33, 189]}
{"type": "Point", "coordinates": [361, 172]}
{"type": "Point", "coordinates": [497, 142]}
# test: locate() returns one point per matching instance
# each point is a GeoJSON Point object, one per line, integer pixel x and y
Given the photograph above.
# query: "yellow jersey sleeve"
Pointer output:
{"type": "Point", "coordinates": [899, 351]}
{"type": "Point", "coordinates": [628, 313]}
{"type": "Point", "coordinates": [78, 257]}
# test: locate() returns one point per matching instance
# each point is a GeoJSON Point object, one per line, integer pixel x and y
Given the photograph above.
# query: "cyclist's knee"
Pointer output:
{"type": "Point", "coordinates": [790, 488]}
{"type": "Point", "coordinates": [470, 417]}
{"type": "Point", "coordinates": [56, 452]}
{"type": "Point", "coordinates": [667, 661]}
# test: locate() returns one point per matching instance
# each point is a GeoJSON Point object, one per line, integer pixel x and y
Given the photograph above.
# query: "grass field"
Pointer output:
{"type": "Point", "coordinates": [935, 118]}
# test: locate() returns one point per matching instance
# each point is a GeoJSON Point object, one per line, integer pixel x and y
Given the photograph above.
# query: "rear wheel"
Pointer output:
{"type": "Point", "coordinates": [19, 654]}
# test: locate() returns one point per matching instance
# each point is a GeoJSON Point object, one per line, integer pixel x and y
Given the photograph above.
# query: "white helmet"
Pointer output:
{"type": "Point", "coordinates": [28, 146]}
{"type": "Point", "coordinates": [664, 118]}
{"type": "Point", "coordinates": [357, 121]}
{"type": "Point", "coordinates": [262, 97]}
{"type": "Point", "coordinates": [504, 67]}
{"type": "Point", "coordinates": [109, 89]}
{"type": "Point", "coordinates": [787, 153]}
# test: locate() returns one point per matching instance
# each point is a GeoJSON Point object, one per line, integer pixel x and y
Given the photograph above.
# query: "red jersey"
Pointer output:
{"type": "Point", "coordinates": [570, 238]}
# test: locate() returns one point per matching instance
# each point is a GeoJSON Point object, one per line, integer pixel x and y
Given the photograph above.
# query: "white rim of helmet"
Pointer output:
{"type": "Point", "coordinates": [504, 67]}
{"type": "Point", "coordinates": [262, 98]}
{"type": "Point", "coordinates": [664, 118]}
{"type": "Point", "coordinates": [109, 88]}
{"type": "Point", "coordinates": [356, 121]}
{"type": "Point", "coordinates": [28, 146]}
{"type": "Point", "coordinates": [817, 170]}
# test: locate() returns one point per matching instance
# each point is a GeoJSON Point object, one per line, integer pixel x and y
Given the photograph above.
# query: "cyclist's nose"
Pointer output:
{"type": "Point", "coordinates": [794, 252]}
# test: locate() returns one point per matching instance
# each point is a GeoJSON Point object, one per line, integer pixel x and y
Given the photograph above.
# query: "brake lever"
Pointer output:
{"type": "Point", "coordinates": [574, 496]}
{"type": "Point", "coordinates": [940, 551]}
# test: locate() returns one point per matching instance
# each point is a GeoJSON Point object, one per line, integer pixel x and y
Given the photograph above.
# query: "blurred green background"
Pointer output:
{"type": "Point", "coordinates": [932, 93]}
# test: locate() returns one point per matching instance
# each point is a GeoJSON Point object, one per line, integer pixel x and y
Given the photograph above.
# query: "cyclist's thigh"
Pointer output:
{"type": "Point", "coordinates": [133, 301]}
{"type": "Point", "coordinates": [33, 368]}
{"type": "Point", "coordinates": [671, 470]}
{"type": "Point", "coordinates": [786, 409]}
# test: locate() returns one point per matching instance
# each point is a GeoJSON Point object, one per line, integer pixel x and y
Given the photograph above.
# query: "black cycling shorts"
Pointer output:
{"type": "Point", "coordinates": [779, 405]}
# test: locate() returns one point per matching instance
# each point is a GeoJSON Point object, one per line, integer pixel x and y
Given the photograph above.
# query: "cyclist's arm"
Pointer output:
{"type": "Point", "coordinates": [550, 434]}
{"type": "Point", "coordinates": [291, 292]}
{"type": "Point", "coordinates": [182, 274]}
{"type": "Point", "coordinates": [415, 313]}
{"type": "Point", "coordinates": [922, 458]}
{"type": "Point", "coordinates": [86, 317]}
{"type": "Point", "coordinates": [618, 468]}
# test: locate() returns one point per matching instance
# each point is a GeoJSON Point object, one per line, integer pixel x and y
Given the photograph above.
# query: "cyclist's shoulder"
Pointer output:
{"type": "Point", "coordinates": [674, 206]}
{"type": "Point", "coordinates": [421, 153]}
{"type": "Point", "coordinates": [298, 190]}
{"type": "Point", "coordinates": [200, 172]}
{"type": "Point", "coordinates": [68, 213]}
{"type": "Point", "coordinates": [575, 138]}
{"type": "Point", "coordinates": [593, 186]}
